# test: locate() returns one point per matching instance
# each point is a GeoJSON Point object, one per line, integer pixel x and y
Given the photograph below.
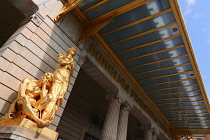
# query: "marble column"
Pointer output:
{"type": "Point", "coordinates": [147, 131]}
{"type": "Point", "coordinates": [147, 134]}
{"type": "Point", "coordinates": [123, 121]}
{"type": "Point", "coordinates": [109, 131]}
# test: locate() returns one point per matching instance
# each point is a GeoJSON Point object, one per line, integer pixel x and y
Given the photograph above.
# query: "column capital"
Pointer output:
{"type": "Point", "coordinates": [146, 127]}
{"type": "Point", "coordinates": [155, 131]}
{"type": "Point", "coordinates": [126, 106]}
{"type": "Point", "coordinates": [114, 98]}
{"type": "Point", "coordinates": [147, 131]}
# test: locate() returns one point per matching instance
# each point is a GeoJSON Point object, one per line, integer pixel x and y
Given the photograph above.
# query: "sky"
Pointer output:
{"type": "Point", "coordinates": [196, 14]}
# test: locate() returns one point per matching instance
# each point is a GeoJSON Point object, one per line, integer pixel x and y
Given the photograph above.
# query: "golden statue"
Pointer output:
{"type": "Point", "coordinates": [38, 100]}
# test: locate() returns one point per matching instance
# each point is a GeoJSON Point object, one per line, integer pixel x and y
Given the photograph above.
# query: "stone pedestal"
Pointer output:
{"type": "Point", "coordinates": [21, 128]}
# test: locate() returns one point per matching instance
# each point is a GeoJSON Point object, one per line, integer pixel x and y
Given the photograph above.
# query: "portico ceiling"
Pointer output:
{"type": "Point", "coordinates": [149, 41]}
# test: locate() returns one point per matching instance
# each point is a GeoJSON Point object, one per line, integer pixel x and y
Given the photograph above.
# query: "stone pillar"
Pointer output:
{"type": "Point", "coordinates": [147, 134]}
{"type": "Point", "coordinates": [147, 131]}
{"type": "Point", "coordinates": [109, 131]}
{"type": "Point", "coordinates": [123, 121]}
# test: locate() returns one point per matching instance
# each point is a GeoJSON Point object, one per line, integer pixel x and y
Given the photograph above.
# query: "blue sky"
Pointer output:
{"type": "Point", "coordinates": [196, 14]}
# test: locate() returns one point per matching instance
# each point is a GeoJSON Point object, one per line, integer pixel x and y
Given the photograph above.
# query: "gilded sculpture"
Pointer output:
{"type": "Point", "coordinates": [38, 100]}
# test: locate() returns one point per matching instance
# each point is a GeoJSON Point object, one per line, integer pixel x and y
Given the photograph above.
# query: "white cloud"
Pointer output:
{"type": "Point", "coordinates": [191, 2]}
{"type": "Point", "coordinates": [204, 77]}
{"type": "Point", "coordinates": [189, 7]}
{"type": "Point", "coordinates": [188, 11]}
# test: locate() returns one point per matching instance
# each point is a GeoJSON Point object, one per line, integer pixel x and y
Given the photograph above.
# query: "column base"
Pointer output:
{"type": "Point", "coordinates": [21, 128]}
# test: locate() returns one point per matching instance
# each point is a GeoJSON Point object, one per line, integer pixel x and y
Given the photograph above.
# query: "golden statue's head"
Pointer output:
{"type": "Point", "coordinates": [66, 59]}
{"type": "Point", "coordinates": [71, 52]}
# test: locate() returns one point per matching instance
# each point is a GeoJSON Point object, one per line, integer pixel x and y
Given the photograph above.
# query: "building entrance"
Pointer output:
{"type": "Point", "coordinates": [85, 110]}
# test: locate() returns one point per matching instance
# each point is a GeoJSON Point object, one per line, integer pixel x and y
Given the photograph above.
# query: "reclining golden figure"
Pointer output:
{"type": "Point", "coordinates": [38, 100]}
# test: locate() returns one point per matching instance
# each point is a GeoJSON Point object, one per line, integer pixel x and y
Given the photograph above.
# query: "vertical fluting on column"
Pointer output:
{"type": "Point", "coordinates": [123, 121]}
{"type": "Point", "coordinates": [109, 131]}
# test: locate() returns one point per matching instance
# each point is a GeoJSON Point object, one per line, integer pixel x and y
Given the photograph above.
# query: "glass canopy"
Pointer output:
{"type": "Point", "coordinates": [149, 43]}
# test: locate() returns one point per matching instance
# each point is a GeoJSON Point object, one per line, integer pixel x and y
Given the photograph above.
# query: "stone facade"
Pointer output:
{"type": "Point", "coordinates": [32, 50]}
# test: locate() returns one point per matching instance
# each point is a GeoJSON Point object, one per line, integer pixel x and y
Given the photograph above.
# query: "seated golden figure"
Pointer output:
{"type": "Point", "coordinates": [38, 100]}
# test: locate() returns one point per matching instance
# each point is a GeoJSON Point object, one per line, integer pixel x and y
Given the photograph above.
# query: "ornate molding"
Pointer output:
{"type": "Point", "coordinates": [155, 131]}
{"type": "Point", "coordinates": [94, 26]}
{"type": "Point", "coordinates": [113, 97]}
{"type": "Point", "coordinates": [178, 134]}
{"type": "Point", "coordinates": [126, 106]}
{"type": "Point", "coordinates": [71, 4]}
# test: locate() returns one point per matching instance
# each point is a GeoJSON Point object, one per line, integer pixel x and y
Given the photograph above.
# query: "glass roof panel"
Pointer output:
{"type": "Point", "coordinates": [140, 28]}
{"type": "Point", "coordinates": [183, 108]}
{"type": "Point", "coordinates": [138, 13]}
{"type": "Point", "coordinates": [190, 115]}
{"type": "Point", "coordinates": [194, 127]}
{"type": "Point", "coordinates": [184, 121]}
{"type": "Point", "coordinates": [87, 4]}
{"type": "Point", "coordinates": [185, 112]}
{"type": "Point", "coordinates": [188, 94]}
{"type": "Point", "coordinates": [141, 40]}
{"type": "Point", "coordinates": [177, 102]}
{"type": "Point", "coordinates": [156, 57]}
{"type": "Point", "coordinates": [174, 90]}
{"type": "Point", "coordinates": [173, 42]}
{"type": "Point", "coordinates": [164, 64]}
{"type": "Point", "coordinates": [192, 124]}
{"type": "Point", "coordinates": [163, 72]}
{"type": "Point", "coordinates": [200, 131]}
{"type": "Point", "coordinates": [172, 84]}
{"type": "Point", "coordinates": [197, 118]}
{"type": "Point", "coordinates": [105, 8]}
